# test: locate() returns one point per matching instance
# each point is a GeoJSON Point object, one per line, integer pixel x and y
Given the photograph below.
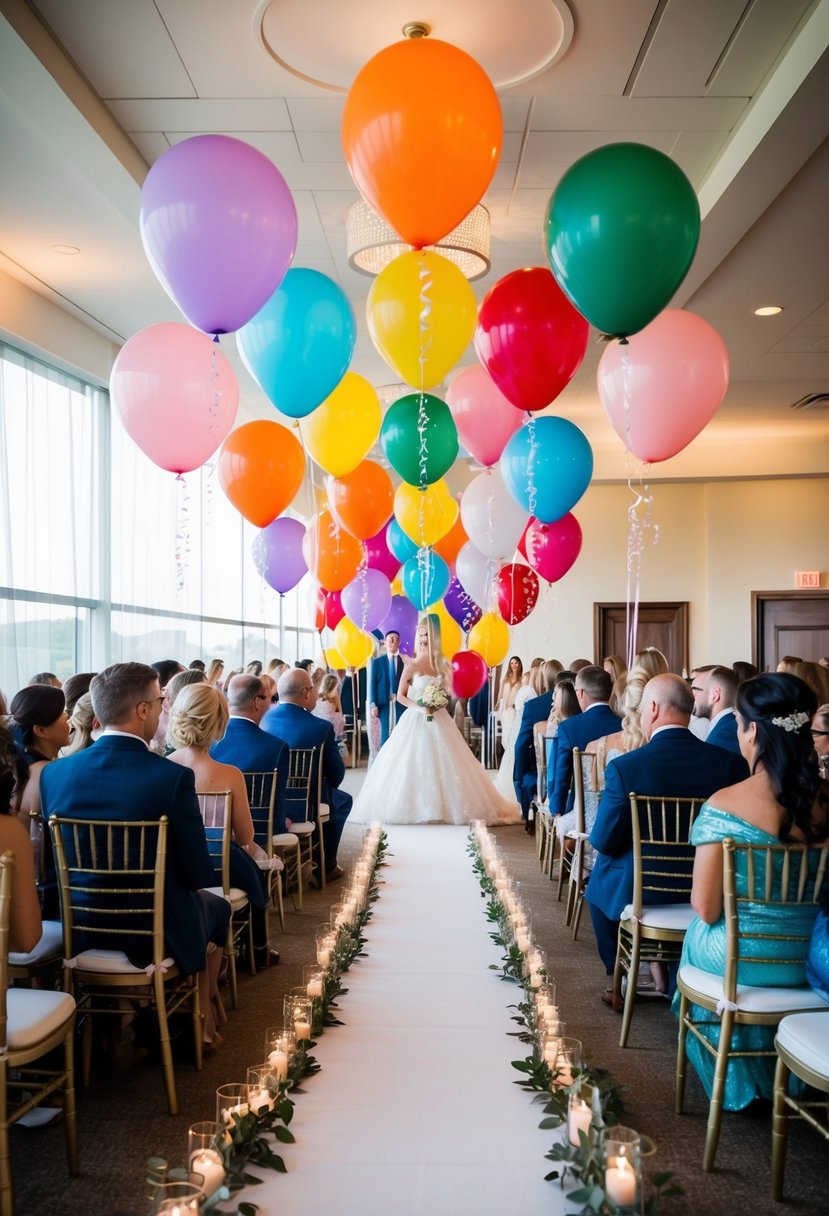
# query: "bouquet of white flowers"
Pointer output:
{"type": "Point", "coordinates": [433, 696]}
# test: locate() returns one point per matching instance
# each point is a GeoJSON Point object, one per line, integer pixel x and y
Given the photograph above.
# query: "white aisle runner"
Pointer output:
{"type": "Point", "coordinates": [414, 1112]}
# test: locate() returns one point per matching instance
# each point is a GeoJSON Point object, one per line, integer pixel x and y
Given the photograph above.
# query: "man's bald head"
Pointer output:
{"type": "Point", "coordinates": [666, 701]}
{"type": "Point", "coordinates": [246, 698]}
{"type": "Point", "coordinates": [296, 687]}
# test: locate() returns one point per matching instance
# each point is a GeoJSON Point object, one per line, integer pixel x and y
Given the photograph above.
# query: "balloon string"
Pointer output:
{"type": "Point", "coordinates": [639, 521]}
{"type": "Point", "coordinates": [215, 394]}
{"type": "Point", "coordinates": [183, 538]}
{"type": "Point", "coordinates": [424, 319]}
{"type": "Point", "coordinates": [424, 343]}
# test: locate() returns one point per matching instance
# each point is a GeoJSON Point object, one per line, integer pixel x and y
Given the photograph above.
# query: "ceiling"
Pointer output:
{"type": "Point", "coordinates": [92, 92]}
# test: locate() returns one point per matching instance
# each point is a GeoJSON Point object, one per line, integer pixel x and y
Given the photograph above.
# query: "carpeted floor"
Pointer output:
{"type": "Point", "coordinates": [123, 1118]}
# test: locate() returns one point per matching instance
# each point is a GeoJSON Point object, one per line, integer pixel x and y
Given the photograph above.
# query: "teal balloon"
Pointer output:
{"type": "Point", "coordinates": [400, 544]}
{"type": "Point", "coordinates": [419, 438]}
{"type": "Point", "coordinates": [621, 231]}
{"type": "Point", "coordinates": [547, 466]}
{"type": "Point", "coordinates": [299, 345]}
{"type": "Point", "coordinates": [426, 578]}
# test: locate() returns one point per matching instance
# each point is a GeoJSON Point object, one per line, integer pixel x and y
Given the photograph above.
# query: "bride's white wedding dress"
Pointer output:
{"type": "Point", "coordinates": [425, 773]}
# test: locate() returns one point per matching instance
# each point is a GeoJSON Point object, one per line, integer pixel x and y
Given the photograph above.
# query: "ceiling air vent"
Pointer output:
{"type": "Point", "coordinates": [812, 401]}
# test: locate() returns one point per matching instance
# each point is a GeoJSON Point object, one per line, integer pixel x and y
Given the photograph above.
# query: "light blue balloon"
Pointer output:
{"type": "Point", "coordinates": [400, 544]}
{"type": "Point", "coordinates": [547, 466]}
{"type": "Point", "coordinates": [299, 345]}
{"type": "Point", "coordinates": [426, 578]}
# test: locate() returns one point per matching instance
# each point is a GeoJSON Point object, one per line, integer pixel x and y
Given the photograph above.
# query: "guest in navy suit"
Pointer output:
{"type": "Point", "coordinates": [673, 762]}
{"type": "Point", "coordinates": [384, 680]}
{"type": "Point", "coordinates": [537, 709]}
{"type": "Point", "coordinates": [118, 777]}
{"type": "Point", "coordinates": [292, 721]}
{"type": "Point", "coordinates": [715, 693]}
{"type": "Point", "coordinates": [593, 687]}
{"type": "Point", "coordinates": [251, 749]}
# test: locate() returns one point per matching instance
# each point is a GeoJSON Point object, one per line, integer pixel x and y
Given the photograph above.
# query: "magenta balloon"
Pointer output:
{"type": "Point", "coordinates": [402, 617]}
{"type": "Point", "coordinates": [277, 553]}
{"type": "Point", "coordinates": [367, 599]}
{"type": "Point", "coordinates": [665, 385]}
{"type": "Point", "coordinates": [551, 549]}
{"type": "Point", "coordinates": [176, 395]}
{"type": "Point", "coordinates": [484, 417]}
{"type": "Point", "coordinates": [219, 229]}
{"type": "Point", "coordinates": [380, 557]}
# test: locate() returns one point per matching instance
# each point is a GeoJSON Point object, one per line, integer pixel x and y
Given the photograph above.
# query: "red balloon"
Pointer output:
{"type": "Point", "coordinates": [318, 608]}
{"type": "Point", "coordinates": [530, 338]}
{"type": "Point", "coordinates": [517, 587]}
{"type": "Point", "coordinates": [468, 673]}
{"type": "Point", "coordinates": [551, 549]}
{"type": "Point", "coordinates": [334, 611]}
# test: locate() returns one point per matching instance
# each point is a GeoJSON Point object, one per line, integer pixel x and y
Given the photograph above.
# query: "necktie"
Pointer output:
{"type": "Point", "coordinates": [392, 671]}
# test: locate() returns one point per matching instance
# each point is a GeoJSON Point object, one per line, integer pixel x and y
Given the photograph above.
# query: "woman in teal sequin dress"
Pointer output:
{"type": "Point", "coordinates": [783, 801]}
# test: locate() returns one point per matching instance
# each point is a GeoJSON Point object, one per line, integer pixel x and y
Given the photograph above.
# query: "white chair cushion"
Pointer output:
{"type": "Point", "coordinates": [750, 999]}
{"type": "Point", "coordinates": [285, 840]}
{"type": "Point", "coordinates": [324, 813]}
{"type": "Point", "coordinates": [49, 946]}
{"type": "Point", "coordinates": [33, 1014]}
{"type": "Point", "coordinates": [111, 962]}
{"type": "Point", "coordinates": [305, 828]}
{"type": "Point", "coordinates": [235, 897]}
{"type": "Point", "coordinates": [676, 917]}
{"type": "Point", "coordinates": [805, 1036]}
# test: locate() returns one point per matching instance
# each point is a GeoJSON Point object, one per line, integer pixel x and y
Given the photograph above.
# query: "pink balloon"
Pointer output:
{"type": "Point", "coordinates": [665, 385]}
{"type": "Point", "coordinates": [380, 557]}
{"type": "Point", "coordinates": [176, 395]}
{"type": "Point", "coordinates": [551, 549]}
{"type": "Point", "coordinates": [485, 418]}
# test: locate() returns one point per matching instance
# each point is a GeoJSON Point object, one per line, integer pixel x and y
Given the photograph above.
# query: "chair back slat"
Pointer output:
{"type": "Point", "coordinates": [262, 787]}
{"type": "Point", "coordinates": [584, 764]}
{"type": "Point", "coordinates": [6, 875]}
{"type": "Point", "coordinates": [663, 856]}
{"type": "Point", "coordinates": [303, 779]}
{"type": "Point", "coordinates": [215, 806]}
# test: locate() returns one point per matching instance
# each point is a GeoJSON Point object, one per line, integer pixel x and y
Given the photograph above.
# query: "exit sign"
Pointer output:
{"type": "Point", "coordinates": [807, 579]}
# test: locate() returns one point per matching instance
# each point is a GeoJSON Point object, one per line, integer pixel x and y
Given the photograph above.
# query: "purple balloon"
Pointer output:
{"type": "Point", "coordinates": [403, 618]}
{"type": "Point", "coordinates": [367, 599]}
{"type": "Point", "coordinates": [461, 606]}
{"type": "Point", "coordinates": [380, 557]}
{"type": "Point", "coordinates": [219, 228]}
{"type": "Point", "coordinates": [277, 553]}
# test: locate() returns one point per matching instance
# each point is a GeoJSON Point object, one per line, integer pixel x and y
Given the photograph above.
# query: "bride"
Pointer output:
{"type": "Point", "coordinates": [425, 773]}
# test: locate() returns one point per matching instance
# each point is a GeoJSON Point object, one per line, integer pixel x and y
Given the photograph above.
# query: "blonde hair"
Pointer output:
{"type": "Point", "coordinates": [214, 670]}
{"type": "Point", "coordinates": [198, 717]}
{"type": "Point", "coordinates": [652, 661]}
{"type": "Point", "coordinates": [329, 684]}
{"type": "Point", "coordinates": [80, 723]}
{"type": "Point", "coordinates": [632, 734]}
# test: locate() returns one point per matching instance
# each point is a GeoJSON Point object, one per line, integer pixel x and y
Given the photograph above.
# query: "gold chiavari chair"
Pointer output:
{"type": "Point", "coordinates": [215, 812]}
{"type": "Point", "coordinates": [583, 763]}
{"type": "Point", "coordinates": [262, 789]}
{"type": "Point", "coordinates": [543, 820]}
{"type": "Point", "coordinates": [802, 1046]}
{"type": "Point", "coordinates": [32, 1023]}
{"type": "Point", "coordinates": [303, 802]}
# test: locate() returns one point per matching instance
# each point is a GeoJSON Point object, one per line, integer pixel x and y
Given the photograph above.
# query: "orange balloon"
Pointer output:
{"type": "Point", "coordinates": [261, 466]}
{"type": "Point", "coordinates": [422, 132]}
{"type": "Point", "coordinates": [362, 501]}
{"type": "Point", "coordinates": [450, 545]}
{"type": "Point", "coordinates": [333, 556]}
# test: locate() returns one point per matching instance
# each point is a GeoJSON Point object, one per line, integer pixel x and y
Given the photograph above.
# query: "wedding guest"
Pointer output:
{"type": "Point", "coordinates": [536, 709]}
{"type": "Point", "coordinates": [329, 708]}
{"type": "Point", "coordinates": [577, 665]}
{"type": "Point", "coordinates": [788, 664]}
{"type": "Point", "coordinates": [817, 960]}
{"type": "Point", "coordinates": [74, 687]}
{"type": "Point", "coordinates": [46, 677]}
{"type": "Point", "coordinates": [593, 687]}
{"type": "Point", "coordinates": [197, 665]}
{"type": "Point", "coordinates": [652, 661]}
{"type": "Point", "coordinates": [820, 738]}
{"type": "Point", "coordinates": [269, 688]}
{"type": "Point", "coordinates": [615, 666]}
{"type": "Point", "coordinates": [165, 669]}
{"type": "Point", "coordinates": [744, 670]}
{"type": "Point", "coordinates": [816, 677]}
{"type": "Point", "coordinates": [25, 921]}
{"type": "Point", "coordinates": [213, 675]}
{"type": "Point", "coordinates": [182, 679]}
{"type": "Point", "coordinates": [41, 730]}
{"type": "Point", "coordinates": [715, 691]}
{"type": "Point", "coordinates": [510, 684]}
{"type": "Point", "coordinates": [251, 749]}
{"type": "Point", "coordinates": [254, 668]}
{"type": "Point", "coordinates": [84, 727]}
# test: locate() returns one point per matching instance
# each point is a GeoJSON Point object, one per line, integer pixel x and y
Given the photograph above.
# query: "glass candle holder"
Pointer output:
{"type": "Point", "coordinates": [325, 946]}
{"type": "Point", "coordinates": [204, 1141]}
{"type": "Point", "coordinates": [184, 1195]}
{"type": "Point", "coordinates": [179, 1206]}
{"type": "Point", "coordinates": [263, 1088]}
{"type": "Point", "coordinates": [545, 996]}
{"type": "Point", "coordinates": [580, 1113]}
{"type": "Point", "coordinates": [568, 1062]}
{"type": "Point", "coordinates": [279, 1049]}
{"type": "Point", "coordinates": [231, 1103]}
{"type": "Point", "coordinates": [300, 1017]}
{"type": "Point", "coordinates": [313, 978]}
{"type": "Point", "coordinates": [623, 1167]}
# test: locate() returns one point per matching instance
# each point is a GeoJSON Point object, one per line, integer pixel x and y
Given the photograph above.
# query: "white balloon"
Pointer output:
{"type": "Point", "coordinates": [492, 518]}
{"type": "Point", "coordinates": [476, 574]}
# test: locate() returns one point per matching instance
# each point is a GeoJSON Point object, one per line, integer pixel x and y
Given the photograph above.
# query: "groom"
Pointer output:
{"type": "Point", "coordinates": [386, 671]}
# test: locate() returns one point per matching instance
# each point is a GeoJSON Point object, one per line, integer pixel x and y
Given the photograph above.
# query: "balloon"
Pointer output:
{"type": "Point", "coordinates": [332, 659]}
{"type": "Point", "coordinates": [355, 646]}
{"type": "Point", "coordinates": [419, 439]}
{"type": "Point", "coordinates": [621, 230]}
{"type": "Point", "coordinates": [665, 385]}
{"type": "Point", "coordinates": [334, 610]}
{"type": "Point", "coordinates": [421, 315]}
{"type": "Point", "coordinates": [461, 606]}
{"type": "Point", "coordinates": [176, 395]}
{"type": "Point", "coordinates": [277, 554]}
{"type": "Point", "coordinates": [493, 520]}
{"type": "Point", "coordinates": [422, 133]}
{"type": "Point", "coordinates": [317, 606]}
{"type": "Point", "coordinates": [399, 543]}
{"type": "Point", "coordinates": [402, 617]}
{"type": "Point", "coordinates": [362, 501]}
{"type": "Point", "coordinates": [517, 589]}
{"type": "Point", "coordinates": [379, 556]}
{"type": "Point", "coordinates": [485, 418]}
{"type": "Point", "coordinates": [299, 345]}
{"type": "Point", "coordinates": [490, 637]}
{"type": "Point", "coordinates": [547, 466]}
{"type": "Point", "coordinates": [476, 574]}
{"type": "Point", "coordinates": [450, 545]}
{"type": "Point", "coordinates": [333, 555]}
{"type": "Point", "coordinates": [451, 638]}
{"type": "Point", "coordinates": [261, 466]}
{"type": "Point", "coordinates": [367, 599]}
{"type": "Point", "coordinates": [551, 549]}
{"type": "Point", "coordinates": [219, 229]}
{"type": "Point", "coordinates": [425, 515]}
{"type": "Point", "coordinates": [469, 673]}
{"type": "Point", "coordinates": [343, 430]}
{"type": "Point", "coordinates": [425, 578]}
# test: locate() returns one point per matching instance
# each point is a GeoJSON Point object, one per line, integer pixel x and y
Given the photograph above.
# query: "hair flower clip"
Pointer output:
{"type": "Point", "coordinates": [791, 721]}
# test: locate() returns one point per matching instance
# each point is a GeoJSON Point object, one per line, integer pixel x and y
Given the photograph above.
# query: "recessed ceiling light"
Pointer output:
{"type": "Point", "coordinates": [67, 251]}
{"type": "Point", "coordinates": [769, 310]}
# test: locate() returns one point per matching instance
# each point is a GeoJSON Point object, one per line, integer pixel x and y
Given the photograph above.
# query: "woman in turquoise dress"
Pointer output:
{"type": "Point", "coordinates": [783, 801]}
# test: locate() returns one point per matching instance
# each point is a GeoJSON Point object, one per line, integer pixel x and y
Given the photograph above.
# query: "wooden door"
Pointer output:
{"type": "Point", "coordinates": [663, 625]}
{"type": "Point", "coordinates": [789, 623]}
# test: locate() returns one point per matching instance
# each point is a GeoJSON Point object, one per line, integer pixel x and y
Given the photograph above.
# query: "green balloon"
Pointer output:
{"type": "Point", "coordinates": [419, 438]}
{"type": "Point", "coordinates": [621, 230]}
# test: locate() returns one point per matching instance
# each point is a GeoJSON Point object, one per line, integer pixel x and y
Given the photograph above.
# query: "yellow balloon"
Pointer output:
{"type": "Point", "coordinates": [397, 586]}
{"type": "Point", "coordinates": [490, 637]}
{"type": "Point", "coordinates": [451, 638]}
{"type": "Point", "coordinates": [355, 646]}
{"type": "Point", "coordinates": [332, 658]}
{"type": "Point", "coordinates": [421, 315]}
{"type": "Point", "coordinates": [342, 431]}
{"type": "Point", "coordinates": [425, 515]}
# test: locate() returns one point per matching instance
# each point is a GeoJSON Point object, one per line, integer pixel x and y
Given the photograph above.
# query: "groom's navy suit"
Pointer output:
{"type": "Point", "coordinates": [383, 684]}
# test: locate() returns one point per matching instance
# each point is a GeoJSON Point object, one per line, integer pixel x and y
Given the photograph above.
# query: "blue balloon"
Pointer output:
{"type": "Point", "coordinates": [547, 466]}
{"type": "Point", "coordinates": [425, 578]}
{"type": "Point", "coordinates": [401, 546]}
{"type": "Point", "coordinates": [299, 345]}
